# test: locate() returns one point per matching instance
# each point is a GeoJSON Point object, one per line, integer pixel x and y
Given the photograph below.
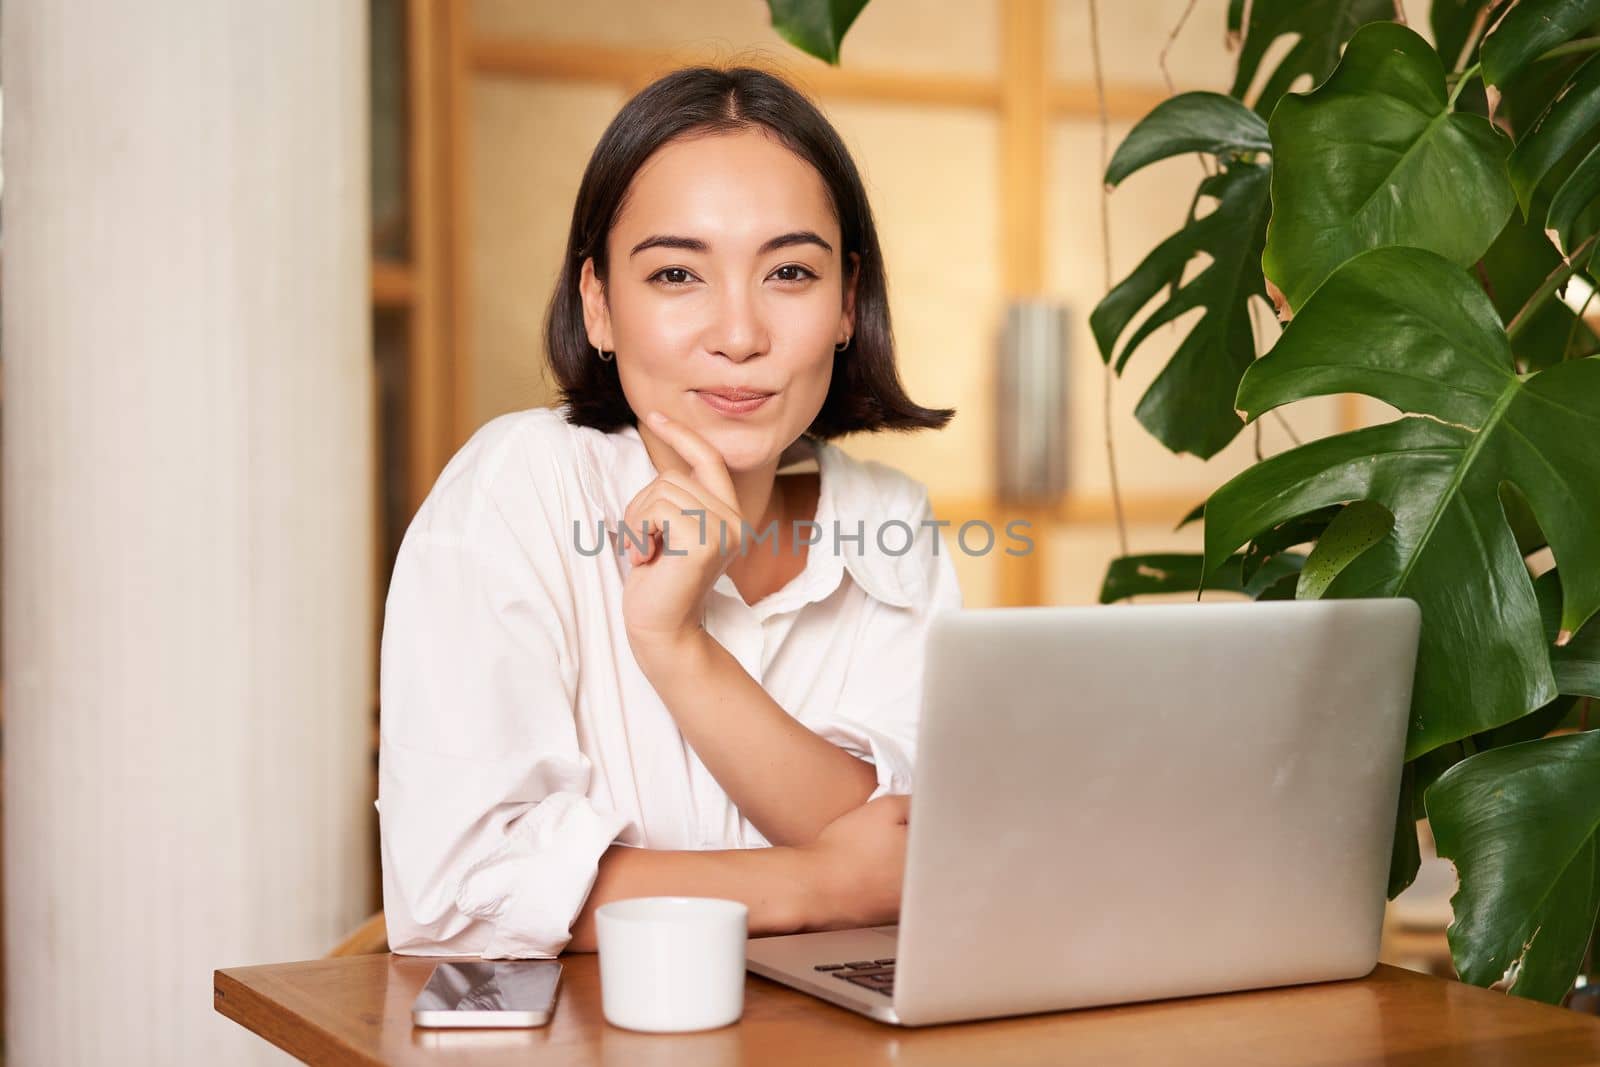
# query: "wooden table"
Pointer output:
{"type": "Point", "coordinates": [357, 1010]}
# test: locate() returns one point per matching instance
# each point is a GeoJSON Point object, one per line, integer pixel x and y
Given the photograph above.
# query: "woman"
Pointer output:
{"type": "Point", "coordinates": [577, 708]}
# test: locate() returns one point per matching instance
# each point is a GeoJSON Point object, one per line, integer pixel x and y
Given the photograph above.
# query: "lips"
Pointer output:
{"type": "Point", "coordinates": [736, 395]}
{"type": "Point", "coordinates": [733, 401]}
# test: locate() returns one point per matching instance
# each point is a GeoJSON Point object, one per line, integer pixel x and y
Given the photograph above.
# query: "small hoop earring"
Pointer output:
{"type": "Point", "coordinates": [604, 358]}
{"type": "Point", "coordinates": [843, 346]}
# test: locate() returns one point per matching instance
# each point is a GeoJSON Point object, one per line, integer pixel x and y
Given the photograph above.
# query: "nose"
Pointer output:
{"type": "Point", "coordinates": [738, 330]}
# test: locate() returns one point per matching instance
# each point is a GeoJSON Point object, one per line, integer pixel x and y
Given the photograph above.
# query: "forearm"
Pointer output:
{"type": "Point", "coordinates": [782, 777]}
{"type": "Point", "coordinates": [778, 885]}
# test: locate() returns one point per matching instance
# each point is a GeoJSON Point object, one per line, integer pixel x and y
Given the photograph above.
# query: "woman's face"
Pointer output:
{"type": "Point", "coordinates": [726, 282]}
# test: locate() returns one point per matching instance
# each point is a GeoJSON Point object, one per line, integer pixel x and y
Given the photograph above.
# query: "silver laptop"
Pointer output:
{"type": "Point", "coordinates": [1130, 803]}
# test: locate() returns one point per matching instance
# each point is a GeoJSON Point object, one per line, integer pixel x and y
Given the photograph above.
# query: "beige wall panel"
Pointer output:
{"type": "Point", "coordinates": [1147, 208]}
{"type": "Point", "coordinates": [945, 36]}
{"type": "Point", "coordinates": [530, 143]}
{"type": "Point", "coordinates": [933, 182]}
{"type": "Point", "coordinates": [1132, 34]}
{"type": "Point", "coordinates": [938, 36]}
{"type": "Point", "coordinates": [979, 575]}
{"type": "Point", "coordinates": [631, 23]}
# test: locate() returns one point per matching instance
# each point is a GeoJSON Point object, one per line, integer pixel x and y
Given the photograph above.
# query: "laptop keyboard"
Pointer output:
{"type": "Point", "coordinates": [877, 975]}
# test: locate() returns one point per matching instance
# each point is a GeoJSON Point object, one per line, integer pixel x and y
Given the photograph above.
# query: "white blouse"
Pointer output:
{"type": "Point", "coordinates": [519, 738]}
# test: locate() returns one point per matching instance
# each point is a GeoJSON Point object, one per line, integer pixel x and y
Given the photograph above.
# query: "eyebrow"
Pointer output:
{"type": "Point", "coordinates": [694, 244]}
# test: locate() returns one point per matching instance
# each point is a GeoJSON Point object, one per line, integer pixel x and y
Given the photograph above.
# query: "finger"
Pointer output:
{"type": "Point", "coordinates": [640, 528]}
{"type": "Point", "coordinates": [686, 481]}
{"type": "Point", "coordinates": [688, 519]}
{"type": "Point", "coordinates": [646, 528]}
{"type": "Point", "coordinates": [706, 500]}
{"type": "Point", "coordinates": [689, 513]}
{"type": "Point", "coordinates": [683, 488]}
{"type": "Point", "coordinates": [658, 520]}
{"type": "Point", "coordinates": [661, 489]}
{"type": "Point", "coordinates": [705, 515]}
{"type": "Point", "coordinates": [706, 462]}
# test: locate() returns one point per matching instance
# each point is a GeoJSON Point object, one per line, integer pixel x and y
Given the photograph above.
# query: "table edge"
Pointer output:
{"type": "Point", "coordinates": [280, 1027]}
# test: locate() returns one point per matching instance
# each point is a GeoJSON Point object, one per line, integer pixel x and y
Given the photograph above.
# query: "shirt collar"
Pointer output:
{"type": "Point", "coordinates": [848, 503]}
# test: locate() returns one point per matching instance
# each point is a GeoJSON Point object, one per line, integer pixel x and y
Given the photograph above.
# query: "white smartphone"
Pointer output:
{"type": "Point", "coordinates": [488, 993]}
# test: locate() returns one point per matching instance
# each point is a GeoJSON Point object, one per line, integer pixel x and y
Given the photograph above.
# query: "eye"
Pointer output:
{"type": "Point", "coordinates": [679, 276]}
{"type": "Point", "coordinates": [803, 272]}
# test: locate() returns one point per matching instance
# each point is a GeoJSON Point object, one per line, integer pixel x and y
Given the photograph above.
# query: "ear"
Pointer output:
{"type": "Point", "coordinates": [596, 313]}
{"type": "Point", "coordinates": [853, 275]}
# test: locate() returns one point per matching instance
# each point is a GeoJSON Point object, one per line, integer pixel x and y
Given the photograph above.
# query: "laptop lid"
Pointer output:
{"type": "Point", "coordinates": [1130, 803]}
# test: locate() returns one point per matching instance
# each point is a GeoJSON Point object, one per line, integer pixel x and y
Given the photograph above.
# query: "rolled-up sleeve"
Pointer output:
{"type": "Point", "coordinates": [489, 842]}
{"type": "Point", "coordinates": [881, 699]}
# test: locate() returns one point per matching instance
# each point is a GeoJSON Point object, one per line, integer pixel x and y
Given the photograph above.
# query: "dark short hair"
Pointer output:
{"type": "Point", "coordinates": [865, 393]}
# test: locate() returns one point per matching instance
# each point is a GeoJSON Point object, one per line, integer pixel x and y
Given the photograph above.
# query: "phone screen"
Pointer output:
{"type": "Point", "coordinates": [488, 993]}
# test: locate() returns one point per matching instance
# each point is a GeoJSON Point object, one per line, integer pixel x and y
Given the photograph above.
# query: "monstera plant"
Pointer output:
{"type": "Point", "coordinates": [1422, 218]}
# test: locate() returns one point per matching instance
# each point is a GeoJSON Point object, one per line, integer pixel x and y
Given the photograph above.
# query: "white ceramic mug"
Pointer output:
{"type": "Point", "coordinates": [672, 964]}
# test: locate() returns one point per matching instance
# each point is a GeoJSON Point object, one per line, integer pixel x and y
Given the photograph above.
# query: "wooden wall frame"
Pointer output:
{"type": "Point", "coordinates": [430, 287]}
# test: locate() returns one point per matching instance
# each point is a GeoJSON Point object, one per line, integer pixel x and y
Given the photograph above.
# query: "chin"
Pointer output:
{"type": "Point", "coordinates": [743, 447]}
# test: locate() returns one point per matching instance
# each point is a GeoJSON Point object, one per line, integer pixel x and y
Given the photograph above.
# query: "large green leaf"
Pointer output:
{"type": "Point", "coordinates": [1189, 407]}
{"type": "Point", "coordinates": [1577, 671]}
{"type": "Point", "coordinates": [1297, 531]}
{"type": "Point", "coordinates": [1359, 526]}
{"type": "Point", "coordinates": [1321, 27]}
{"type": "Point", "coordinates": [1571, 116]}
{"type": "Point", "coordinates": [1375, 158]}
{"type": "Point", "coordinates": [1563, 204]}
{"type": "Point", "coordinates": [1405, 326]}
{"type": "Point", "coordinates": [815, 26]}
{"type": "Point", "coordinates": [1405, 852]}
{"type": "Point", "coordinates": [1520, 825]}
{"type": "Point", "coordinates": [1569, 216]}
{"type": "Point", "coordinates": [1181, 572]}
{"type": "Point", "coordinates": [1555, 168]}
{"type": "Point", "coordinates": [1530, 29]}
{"type": "Point", "coordinates": [1189, 122]}
{"type": "Point", "coordinates": [1201, 376]}
{"type": "Point", "coordinates": [1528, 93]}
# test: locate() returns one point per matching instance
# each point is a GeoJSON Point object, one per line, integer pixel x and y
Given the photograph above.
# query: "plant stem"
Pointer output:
{"type": "Point", "coordinates": [1483, 279]}
{"type": "Point", "coordinates": [1166, 73]}
{"type": "Point", "coordinates": [1478, 25]}
{"type": "Point", "coordinates": [1105, 248]}
{"type": "Point", "coordinates": [1161, 60]}
{"type": "Point", "coordinates": [1277, 412]}
{"type": "Point", "coordinates": [1461, 83]}
{"type": "Point", "coordinates": [1567, 269]}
